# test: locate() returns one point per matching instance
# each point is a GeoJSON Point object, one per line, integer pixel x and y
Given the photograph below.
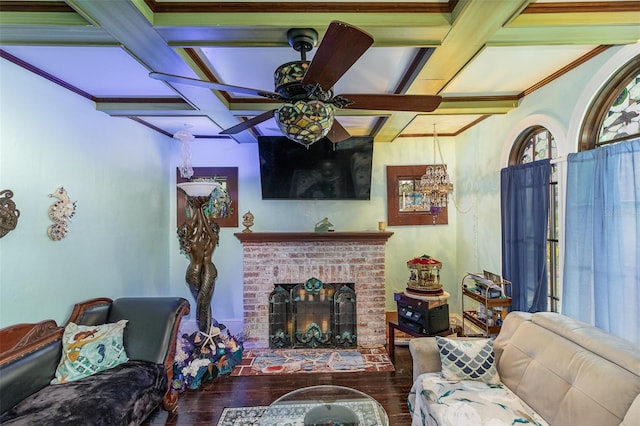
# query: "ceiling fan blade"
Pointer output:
{"type": "Point", "coordinates": [340, 48]}
{"type": "Point", "coordinates": [171, 78]}
{"type": "Point", "coordinates": [248, 123]}
{"type": "Point", "coordinates": [337, 133]}
{"type": "Point", "coordinates": [383, 102]}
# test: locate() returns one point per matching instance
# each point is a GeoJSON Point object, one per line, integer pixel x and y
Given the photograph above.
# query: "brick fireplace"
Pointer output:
{"type": "Point", "coordinates": [334, 257]}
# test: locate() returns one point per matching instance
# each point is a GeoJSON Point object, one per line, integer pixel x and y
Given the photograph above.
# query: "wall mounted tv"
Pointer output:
{"type": "Point", "coordinates": [324, 171]}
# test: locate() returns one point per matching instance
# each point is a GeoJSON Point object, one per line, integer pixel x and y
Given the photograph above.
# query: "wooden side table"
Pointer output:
{"type": "Point", "coordinates": [393, 326]}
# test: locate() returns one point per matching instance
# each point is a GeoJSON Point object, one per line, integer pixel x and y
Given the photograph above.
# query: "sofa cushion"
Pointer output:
{"type": "Point", "coordinates": [554, 364]}
{"type": "Point", "coordinates": [87, 350]}
{"type": "Point", "coordinates": [433, 400]}
{"type": "Point", "coordinates": [468, 360]}
{"type": "Point", "coordinates": [29, 373]}
{"type": "Point", "coordinates": [123, 395]}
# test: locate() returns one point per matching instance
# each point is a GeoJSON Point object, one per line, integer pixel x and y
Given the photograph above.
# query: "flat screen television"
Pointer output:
{"type": "Point", "coordinates": [324, 171]}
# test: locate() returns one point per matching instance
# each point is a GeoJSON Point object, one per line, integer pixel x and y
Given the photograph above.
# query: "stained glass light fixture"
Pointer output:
{"type": "Point", "coordinates": [305, 122]}
{"type": "Point", "coordinates": [308, 117]}
{"type": "Point", "coordinates": [435, 184]}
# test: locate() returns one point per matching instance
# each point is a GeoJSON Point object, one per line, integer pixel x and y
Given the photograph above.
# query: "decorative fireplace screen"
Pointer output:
{"type": "Point", "coordinates": [312, 315]}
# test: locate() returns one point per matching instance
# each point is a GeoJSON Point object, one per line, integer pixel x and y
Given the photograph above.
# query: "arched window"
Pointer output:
{"type": "Point", "coordinates": [537, 143]}
{"type": "Point", "coordinates": [614, 115]}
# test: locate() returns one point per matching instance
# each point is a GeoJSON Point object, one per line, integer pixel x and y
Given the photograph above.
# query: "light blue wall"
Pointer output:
{"type": "Point", "coordinates": [284, 215]}
{"type": "Point", "coordinates": [123, 242]}
{"type": "Point", "coordinates": [483, 151]}
{"type": "Point", "coordinates": [116, 169]}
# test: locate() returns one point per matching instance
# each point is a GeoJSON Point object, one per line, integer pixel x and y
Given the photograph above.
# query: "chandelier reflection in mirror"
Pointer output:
{"type": "Point", "coordinates": [435, 184]}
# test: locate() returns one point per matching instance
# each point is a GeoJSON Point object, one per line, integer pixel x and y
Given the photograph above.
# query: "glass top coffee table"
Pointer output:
{"type": "Point", "coordinates": [325, 405]}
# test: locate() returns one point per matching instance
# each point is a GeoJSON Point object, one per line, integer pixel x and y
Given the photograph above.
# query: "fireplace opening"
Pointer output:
{"type": "Point", "coordinates": [313, 315]}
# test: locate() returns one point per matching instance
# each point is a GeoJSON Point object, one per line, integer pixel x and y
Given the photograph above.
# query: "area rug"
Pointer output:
{"type": "Point", "coordinates": [294, 414]}
{"type": "Point", "coordinates": [289, 361]}
{"type": "Point", "coordinates": [242, 416]}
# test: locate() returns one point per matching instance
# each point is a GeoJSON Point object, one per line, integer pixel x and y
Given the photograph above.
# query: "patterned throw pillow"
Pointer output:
{"type": "Point", "coordinates": [87, 350]}
{"type": "Point", "coordinates": [468, 360]}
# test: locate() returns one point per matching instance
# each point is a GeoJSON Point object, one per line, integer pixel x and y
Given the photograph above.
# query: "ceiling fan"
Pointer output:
{"type": "Point", "coordinates": [306, 88]}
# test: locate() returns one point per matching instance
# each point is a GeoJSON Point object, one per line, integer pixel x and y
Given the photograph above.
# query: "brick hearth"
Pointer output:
{"type": "Point", "coordinates": [334, 257]}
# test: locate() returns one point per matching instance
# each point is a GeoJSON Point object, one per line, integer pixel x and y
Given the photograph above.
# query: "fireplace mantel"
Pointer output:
{"type": "Point", "coordinates": [279, 237]}
{"type": "Point", "coordinates": [356, 258]}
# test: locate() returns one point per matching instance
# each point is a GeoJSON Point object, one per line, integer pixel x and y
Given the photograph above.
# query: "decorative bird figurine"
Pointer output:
{"type": "Point", "coordinates": [324, 226]}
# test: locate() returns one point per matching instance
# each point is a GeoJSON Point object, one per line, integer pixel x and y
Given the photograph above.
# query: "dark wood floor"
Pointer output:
{"type": "Point", "coordinates": [204, 406]}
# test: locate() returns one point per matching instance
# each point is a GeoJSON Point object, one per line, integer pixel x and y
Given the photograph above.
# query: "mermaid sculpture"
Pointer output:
{"type": "Point", "coordinates": [198, 240]}
{"type": "Point", "coordinates": [211, 350]}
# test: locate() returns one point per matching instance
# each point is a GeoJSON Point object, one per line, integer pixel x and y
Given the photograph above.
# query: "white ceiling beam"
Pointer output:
{"type": "Point", "coordinates": [129, 25]}
{"type": "Point", "coordinates": [475, 23]}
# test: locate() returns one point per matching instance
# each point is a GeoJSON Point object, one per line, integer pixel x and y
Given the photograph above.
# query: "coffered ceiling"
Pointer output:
{"type": "Point", "coordinates": [481, 56]}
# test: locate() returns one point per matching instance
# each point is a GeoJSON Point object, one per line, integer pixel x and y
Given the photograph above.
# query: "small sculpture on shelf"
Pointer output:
{"type": "Point", "coordinates": [247, 221]}
{"type": "Point", "coordinates": [424, 276]}
{"type": "Point", "coordinates": [324, 226]}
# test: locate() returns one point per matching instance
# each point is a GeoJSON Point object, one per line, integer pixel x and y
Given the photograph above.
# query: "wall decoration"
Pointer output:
{"type": "Point", "coordinates": [228, 178]}
{"type": "Point", "coordinates": [60, 212]}
{"type": "Point", "coordinates": [405, 205]}
{"type": "Point", "coordinates": [8, 213]}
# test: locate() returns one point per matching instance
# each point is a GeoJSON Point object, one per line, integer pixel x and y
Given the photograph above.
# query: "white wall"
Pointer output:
{"type": "Point", "coordinates": [116, 170]}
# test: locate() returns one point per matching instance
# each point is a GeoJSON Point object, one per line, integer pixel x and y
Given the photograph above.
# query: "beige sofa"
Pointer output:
{"type": "Point", "coordinates": [568, 372]}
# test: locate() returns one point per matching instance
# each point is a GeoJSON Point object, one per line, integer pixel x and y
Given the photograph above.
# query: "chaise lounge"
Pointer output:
{"type": "Point", "coordinates": [124, 394]}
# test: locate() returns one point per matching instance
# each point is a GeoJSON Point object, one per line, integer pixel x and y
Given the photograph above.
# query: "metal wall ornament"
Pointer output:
{"type": "Point", "coordinates": [60, 212]}
{"type": "Point", "coordinates": [8, 213]}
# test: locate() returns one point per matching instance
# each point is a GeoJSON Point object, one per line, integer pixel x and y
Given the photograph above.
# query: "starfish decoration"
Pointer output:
{"type": "Point", "coordinates": [213, 332]}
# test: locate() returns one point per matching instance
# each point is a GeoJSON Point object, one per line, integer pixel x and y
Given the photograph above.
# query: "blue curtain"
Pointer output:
{"type": "Point", "coordinates": [602, 256]}
{"type": "Point", "coordinates": [524, 191]}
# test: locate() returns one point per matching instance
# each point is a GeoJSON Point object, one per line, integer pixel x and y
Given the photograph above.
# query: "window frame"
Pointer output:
{"type": "Point", "coordinates": [519, 149]}
{"type": "Point", "coordinates": [593, 121]}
